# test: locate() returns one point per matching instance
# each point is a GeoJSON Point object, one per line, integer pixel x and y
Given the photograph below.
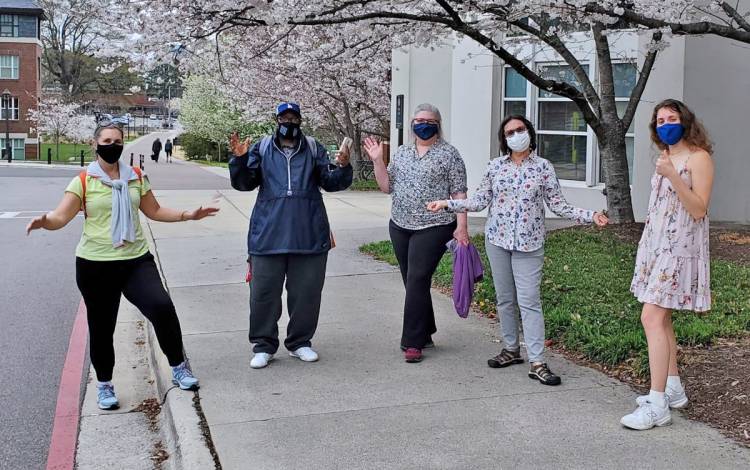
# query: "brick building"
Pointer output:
{"type": "Point", "coordinates": [20, 74]}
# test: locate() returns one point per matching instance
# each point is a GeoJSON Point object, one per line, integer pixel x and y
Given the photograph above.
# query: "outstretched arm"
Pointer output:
{"type": "Point", "coordinates": [69, 206]}
{"type": "Point", "coordinates": [154, 211]}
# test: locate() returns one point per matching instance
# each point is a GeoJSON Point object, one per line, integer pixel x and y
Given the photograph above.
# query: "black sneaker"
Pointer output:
{"type": "Point", "coordinates": [505, 358]}
{"type": "Point", "coordinates": [539, 371]}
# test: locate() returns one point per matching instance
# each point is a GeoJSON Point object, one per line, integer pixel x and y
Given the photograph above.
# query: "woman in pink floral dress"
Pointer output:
{"type": "Point", "coordinates": [672, 264]}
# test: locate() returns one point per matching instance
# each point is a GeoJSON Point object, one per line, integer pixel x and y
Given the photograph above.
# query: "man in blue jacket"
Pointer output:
{"type": "Point", "coordinates": [289, 234]}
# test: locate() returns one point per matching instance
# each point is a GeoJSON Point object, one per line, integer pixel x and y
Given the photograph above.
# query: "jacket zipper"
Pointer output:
{"type": "Point", "coordinates": [289, 166]}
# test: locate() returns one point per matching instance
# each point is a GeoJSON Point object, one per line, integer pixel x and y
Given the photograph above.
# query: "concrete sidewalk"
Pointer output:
{"type": "Point", "coordinates": [361, 406]}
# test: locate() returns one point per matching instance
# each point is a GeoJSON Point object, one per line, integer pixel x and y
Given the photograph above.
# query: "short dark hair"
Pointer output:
{"type": "Point", "coordinates": [501, 133]}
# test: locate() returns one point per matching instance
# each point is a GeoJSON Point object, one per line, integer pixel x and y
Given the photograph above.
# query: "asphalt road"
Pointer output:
{"type": "Point", "coordinates": [39, 298]}
{"type": "Point", "coordinates": [38, 302]}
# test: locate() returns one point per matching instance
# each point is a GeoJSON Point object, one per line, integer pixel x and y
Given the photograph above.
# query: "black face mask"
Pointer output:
{"type": "Point", "coordinates": [109, 153]}
{"type": "Point", "coordinates": [289, 130]}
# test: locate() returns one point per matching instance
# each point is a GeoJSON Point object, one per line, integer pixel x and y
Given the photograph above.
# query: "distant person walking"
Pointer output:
{"type": "Point", "coordinates": [168, 150]}
{"type": "Point", "coordinates": [156, 150]}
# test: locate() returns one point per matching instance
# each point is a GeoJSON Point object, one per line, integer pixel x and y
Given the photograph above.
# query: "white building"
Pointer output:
{"type": "Point", "coordinates": [473, 90]}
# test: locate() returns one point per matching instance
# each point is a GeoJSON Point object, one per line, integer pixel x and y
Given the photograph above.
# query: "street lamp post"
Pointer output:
{"type": "Point", "coordinates": [6, 109]}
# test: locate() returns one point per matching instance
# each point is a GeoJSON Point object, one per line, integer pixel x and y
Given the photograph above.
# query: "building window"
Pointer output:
{"type": "Point", "coordinates": [9, 26]}
{"type": "Point", "coordinates": [9, 66]}
{"type": "Point", "coordinates": [625, 75]}
{"type": "Point", "coordinates": [12, 109]}
{"type": "Point", "coordinates": [562, 133]}
{"type": "Point", "coordinates": [514, 93]}
{"type": "Point", "coordinates": [18, 148]}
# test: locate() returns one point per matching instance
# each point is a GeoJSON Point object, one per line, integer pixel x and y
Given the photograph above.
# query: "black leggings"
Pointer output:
{"type": "Point", "coordinates": [418, 253]}
{"type": "Point", "coordinates": [101, 283]}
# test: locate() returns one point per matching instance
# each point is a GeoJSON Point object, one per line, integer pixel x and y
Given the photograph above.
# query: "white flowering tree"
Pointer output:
{"type": "Point", "coordinates": [336, 38]}
{"type": "Point", "coordinates": [54, 118]}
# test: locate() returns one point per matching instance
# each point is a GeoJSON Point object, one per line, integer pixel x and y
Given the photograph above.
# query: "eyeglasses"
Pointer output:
{"type": "Point", "coordinates": [511, 132]}
{"type": "Point", "coordinates": [426, 121]}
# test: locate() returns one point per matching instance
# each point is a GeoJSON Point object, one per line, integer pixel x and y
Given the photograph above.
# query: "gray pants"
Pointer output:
{"type": "Point", "coordinates": [517, 276]}
{"type": "Point", "coordinates": [304, 275]}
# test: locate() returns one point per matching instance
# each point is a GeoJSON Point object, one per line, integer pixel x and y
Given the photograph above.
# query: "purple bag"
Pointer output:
{"type": "Point", "coordinates": [467, 271]}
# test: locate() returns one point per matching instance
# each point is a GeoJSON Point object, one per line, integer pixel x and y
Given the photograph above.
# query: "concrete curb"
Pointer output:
{"type": "Point", "coordinates": [181, 424]}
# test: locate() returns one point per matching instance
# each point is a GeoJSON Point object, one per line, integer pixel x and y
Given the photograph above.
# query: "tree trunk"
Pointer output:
{"type": "Point", "coordinates": [617, 180]}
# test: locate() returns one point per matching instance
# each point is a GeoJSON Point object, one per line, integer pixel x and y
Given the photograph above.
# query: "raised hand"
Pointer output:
{"type": "Point", "coordinates": [342, 157]}
{"type": "Point", "coordinates": [36, 223]}
{"type": "Point", "coordinates": [435, 206]}
{"type": "Point", "coordinates": [373, 149]}
{"type": "Point", "coordinates": [236, 147]}
{"type": "Point", "coordinates": [600, 219]}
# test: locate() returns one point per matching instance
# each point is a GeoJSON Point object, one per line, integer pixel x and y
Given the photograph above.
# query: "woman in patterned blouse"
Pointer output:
{"type": "Point", "coordinates": [515, 187]}
{"type": "Point", "coordinates": [425, 170]}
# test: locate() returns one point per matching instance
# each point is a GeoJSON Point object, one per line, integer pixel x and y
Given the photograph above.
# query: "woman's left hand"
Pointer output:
{"type": "Point", "coordinates": [201, 213]}
{"type": "Point", "coordinates": [600, 219]}
{"type": "Point", "coordinates": [461, 234]}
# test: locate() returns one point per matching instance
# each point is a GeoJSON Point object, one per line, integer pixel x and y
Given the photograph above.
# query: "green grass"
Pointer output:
{"type": "Point", "coordinates": [69, 153]}
{"type": "Point", "coordinates": [587, 304]}
{"type": "Point", "coordinates": [210, 163]}
{"type": "Point", "coordinates": [364, 185]}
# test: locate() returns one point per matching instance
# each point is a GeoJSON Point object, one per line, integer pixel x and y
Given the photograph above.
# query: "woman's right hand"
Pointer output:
{"type": "Point", "coordinates": [373, 149]}
{"type": "Point", "coordinates": [238, 148]}
{"type": "Point", "coordinates": [435, 206]}
{"type": "Point", "coordinates": [36, 223]}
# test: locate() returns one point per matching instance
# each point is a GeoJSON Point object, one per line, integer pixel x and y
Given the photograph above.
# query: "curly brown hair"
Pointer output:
{"type": "Point", "coordinates": [695, 134]}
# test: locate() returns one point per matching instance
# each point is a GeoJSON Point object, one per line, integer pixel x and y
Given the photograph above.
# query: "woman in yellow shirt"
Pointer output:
{"type": "Point", "coordinates": [113, 259]}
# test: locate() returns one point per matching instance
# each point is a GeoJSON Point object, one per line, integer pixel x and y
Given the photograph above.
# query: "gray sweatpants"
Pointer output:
{"type": "Point", "coordinates": [304, 276]}
{"type": "Point", "coordinates": [517, 276]}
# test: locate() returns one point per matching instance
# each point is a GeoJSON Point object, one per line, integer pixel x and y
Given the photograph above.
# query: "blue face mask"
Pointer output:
{"type": "Point", "coordinates": [671, 133]}
{"type": "Point", "coordinates": [424, 130]}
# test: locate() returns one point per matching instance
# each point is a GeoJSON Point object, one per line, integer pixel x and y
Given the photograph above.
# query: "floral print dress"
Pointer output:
{"type": "Point", "coordinates": [672, 264]}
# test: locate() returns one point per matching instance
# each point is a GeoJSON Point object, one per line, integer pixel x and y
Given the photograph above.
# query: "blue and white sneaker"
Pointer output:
{"type": "Point", "coordinates": [105, 396]}
{"type": "Point", "coordinates": [183, 377]}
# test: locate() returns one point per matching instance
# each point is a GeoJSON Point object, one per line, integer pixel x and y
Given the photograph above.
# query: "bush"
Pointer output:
{"type": "Point", "coordinates": [196, 147]}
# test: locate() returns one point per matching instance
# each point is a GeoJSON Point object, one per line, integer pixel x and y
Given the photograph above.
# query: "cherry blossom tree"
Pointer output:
{"type": "Point", "coordinates": [330, 40]}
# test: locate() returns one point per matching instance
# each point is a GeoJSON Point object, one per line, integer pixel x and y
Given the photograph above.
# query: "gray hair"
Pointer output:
{"type": "Point", "coordinates": [430, 108]}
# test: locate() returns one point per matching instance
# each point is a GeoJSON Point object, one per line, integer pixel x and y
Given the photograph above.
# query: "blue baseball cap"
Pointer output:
{"type": "Point", "coordinates": [288, 106]}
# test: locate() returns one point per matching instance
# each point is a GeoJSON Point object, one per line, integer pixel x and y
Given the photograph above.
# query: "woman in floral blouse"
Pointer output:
{"type": "Point", "coordinates": [672, 264]}
{"type": "Point", "coordinates": [515, 187]}
{"type": "Point", "coordinates": [427, 169]}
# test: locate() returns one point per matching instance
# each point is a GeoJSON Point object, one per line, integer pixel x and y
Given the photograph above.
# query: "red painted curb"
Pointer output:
{"type": "Point", "coordinates": [62, 449]}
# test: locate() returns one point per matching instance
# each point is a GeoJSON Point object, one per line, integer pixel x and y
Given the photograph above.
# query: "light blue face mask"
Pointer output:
{"type": "Point", "coordinates": [670, 133]}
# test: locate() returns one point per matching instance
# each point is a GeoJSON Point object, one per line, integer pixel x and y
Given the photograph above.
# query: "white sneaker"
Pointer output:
{"type": "Point", "coordinates": [675, 398]}
{"type": "Point", "coordinates": [260, 360]}
{"type": "Point", "coordinates": [305, 353]}
{"type": "Point", "coordinates": [646, 416]}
